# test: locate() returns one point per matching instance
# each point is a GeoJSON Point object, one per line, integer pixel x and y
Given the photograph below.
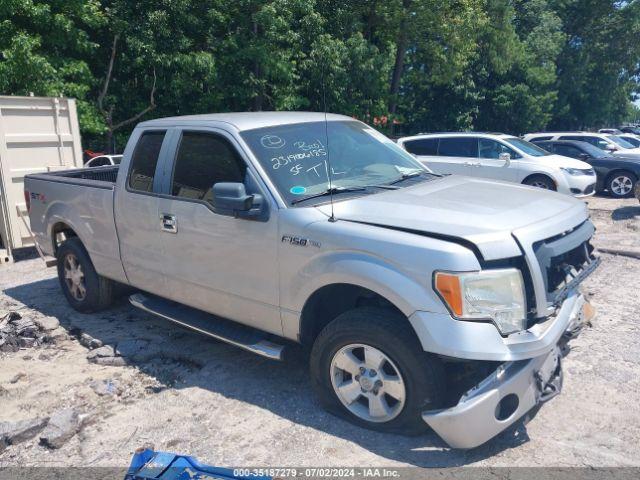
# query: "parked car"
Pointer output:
{"type": "Point", "coordinates": [603, 141]}
{"type": "Point", "coordinates": [631, 129]}
{"type": "Point", "coordinates": [104, 161]}
{"type": "Point", "coordinates": [613, 131]}
{"type": "Point", "coordinates": [630, 138]}
{"type": "Point", "coordinates": [501, 157]}
{"type": "Point", "coordinates": [617, 174]}
{"type": "Point", "coordinates": [242, 227]}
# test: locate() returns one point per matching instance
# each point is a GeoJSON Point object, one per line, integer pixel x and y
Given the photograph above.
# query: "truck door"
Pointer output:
{"type": "Point", "coordinates": [136, 210]}
{"type": "Point", "coordinates": [223, 265]}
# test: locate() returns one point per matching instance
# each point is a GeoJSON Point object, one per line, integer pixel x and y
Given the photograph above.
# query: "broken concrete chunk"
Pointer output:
{"type": "Point", "coordinates": [63, 425]}
{"type": "Point", "coordinates": [47, 323]}
{"type": "Point", "coordinates": [104, 351]}
{"type": "Point", "coordinates": [110, 361]}
{"type": "Point", "coordinates": [106, 387]}
{"type": "Point", "coordinates": [27, 342]}
{"type": "Point", "coordinates": [12, 433]}
{"type": "Point", "coordinates": [89, 342]}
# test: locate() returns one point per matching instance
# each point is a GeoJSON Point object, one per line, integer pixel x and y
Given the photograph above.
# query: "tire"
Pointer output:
{"type": "Point", "coordinates": [85, 290]}
{"type": "Point", "coordinates": [540, 181]}
{"type": "Point", "coordinates": [370, 330]}
{"type": "Point", "coordinates": [621, 184]}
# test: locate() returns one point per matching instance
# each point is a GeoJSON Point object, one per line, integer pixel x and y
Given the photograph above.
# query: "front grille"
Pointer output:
{"type": "Point", "coordinates": [563, 258]}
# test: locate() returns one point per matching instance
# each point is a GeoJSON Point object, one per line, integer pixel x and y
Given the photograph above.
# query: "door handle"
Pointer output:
{"type": "Point", "coordinates": [169, 223]}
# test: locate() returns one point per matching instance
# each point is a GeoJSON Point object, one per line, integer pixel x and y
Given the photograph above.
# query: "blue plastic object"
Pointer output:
{"type": "Point", "coordinates": [149, 464]}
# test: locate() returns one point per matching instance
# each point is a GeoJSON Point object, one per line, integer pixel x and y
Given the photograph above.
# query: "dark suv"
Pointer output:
{"type": "Point", "coordinates": [617, 174]}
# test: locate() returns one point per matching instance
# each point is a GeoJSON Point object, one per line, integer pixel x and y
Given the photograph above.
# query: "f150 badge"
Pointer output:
{"type": "Point", "coordinates": [300, 241]}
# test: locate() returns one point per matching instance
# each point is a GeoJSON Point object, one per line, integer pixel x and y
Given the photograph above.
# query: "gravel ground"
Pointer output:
{"type": "Point", "coordinates": [186, 393]}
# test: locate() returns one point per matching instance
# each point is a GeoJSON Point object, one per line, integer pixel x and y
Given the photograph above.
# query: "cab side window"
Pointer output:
{"type": "Point", "coordinates": [204, 159]}
{"type": "Point", "coordinates": [492, 149]}
{"type": "Point", "coordinates": [458, 147]}
{"type": "Point", "coordinates": [144, 160]}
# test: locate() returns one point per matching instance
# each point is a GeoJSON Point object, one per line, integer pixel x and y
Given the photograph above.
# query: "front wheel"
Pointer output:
{"type": "Point", "coordinates": [540, 181]}
{"type": "Point", "coordinates": [621, 184]}
{"type": "Point", "coordinates": [368, 367]}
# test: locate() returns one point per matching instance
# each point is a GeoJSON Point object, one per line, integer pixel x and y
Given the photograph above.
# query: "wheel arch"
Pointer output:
{"type": "Point", "coordinates": [329, 301]}
{"type": "Point", "coordinates": [61, 231]}
{"type": "Point", "coordinates": [531, 176]}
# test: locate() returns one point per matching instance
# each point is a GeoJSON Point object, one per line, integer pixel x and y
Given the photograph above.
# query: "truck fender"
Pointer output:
{"type": "Point", "coordinates": [363, 270]}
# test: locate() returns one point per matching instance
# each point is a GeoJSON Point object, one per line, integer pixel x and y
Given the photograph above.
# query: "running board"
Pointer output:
{"type": "Point", "coordinates": [227, 331]}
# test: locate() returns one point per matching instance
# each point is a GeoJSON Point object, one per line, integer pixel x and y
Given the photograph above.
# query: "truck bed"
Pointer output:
{"type": "Point", "coordinates": [81, 200]}
{"type": "Point", "coordinates": [100, 177]}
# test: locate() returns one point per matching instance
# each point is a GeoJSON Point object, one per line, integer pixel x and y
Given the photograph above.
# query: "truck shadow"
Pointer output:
{"type": "Point", "coordinates": [626, 213]}
{"type": "Point", "coordinates": [182, 359]}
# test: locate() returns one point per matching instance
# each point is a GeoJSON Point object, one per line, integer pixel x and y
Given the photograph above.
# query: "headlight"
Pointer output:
{"type": "Point", "coordinates": [496, 295]}
{"type": "Point", "coordinates": [575, 171]}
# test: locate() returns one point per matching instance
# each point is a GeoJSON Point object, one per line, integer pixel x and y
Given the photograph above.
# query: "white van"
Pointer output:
{"type": "Point", "coordinates": [501, 157]}
{"type": "Point", "coordinates": [604, 141]}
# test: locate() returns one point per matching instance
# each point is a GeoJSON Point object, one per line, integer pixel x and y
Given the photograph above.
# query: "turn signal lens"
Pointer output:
{"type": "Point", "coordinates": [449, 287]}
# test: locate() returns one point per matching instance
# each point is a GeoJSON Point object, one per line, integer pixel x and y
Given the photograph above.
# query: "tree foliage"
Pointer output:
{"type": "Point", "coordinates": [402, 65]}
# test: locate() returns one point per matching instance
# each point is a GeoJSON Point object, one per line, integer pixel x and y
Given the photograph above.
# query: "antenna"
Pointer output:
{"type": "Point", "coordinates": [327, 163]}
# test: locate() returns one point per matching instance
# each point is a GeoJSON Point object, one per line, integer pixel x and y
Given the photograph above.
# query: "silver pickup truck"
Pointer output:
{"type": "Point", "coordinates": [424, 300]}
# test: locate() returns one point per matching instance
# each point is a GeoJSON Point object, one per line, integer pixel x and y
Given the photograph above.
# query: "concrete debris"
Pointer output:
{"type": "Point", "coordinates": [104, 351]}
{"type": "Point", "coordinates": [62, 426]}
{"type": "Point", "coordinates": [18, 332]}
{"type": "Point", "coordinates": [106, 387]}
{"type": "Point", "coordinates": [89, 342]}
{"type": "Point", "coordinates": [106, 355]}
{"type": "Point", "coordinates": [12, 433]}
{"type": "Point", "coordinates": [47, 324]}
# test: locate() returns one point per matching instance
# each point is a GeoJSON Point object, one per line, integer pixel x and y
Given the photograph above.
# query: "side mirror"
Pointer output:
{"type": "Point", "coordinates": [506, 157]}
{"type": "Point", "coordinates": [231, 199]}
{"type": "Point", "coordinates": [610, 148]}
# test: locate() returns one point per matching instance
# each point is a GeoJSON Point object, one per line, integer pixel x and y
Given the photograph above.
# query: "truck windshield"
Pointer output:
{"type": "Point", "coordinates": [299, 160]}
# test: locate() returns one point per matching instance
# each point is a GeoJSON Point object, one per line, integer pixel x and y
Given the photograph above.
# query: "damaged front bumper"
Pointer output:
{"type": "Point", "coordinates": [511, 391]}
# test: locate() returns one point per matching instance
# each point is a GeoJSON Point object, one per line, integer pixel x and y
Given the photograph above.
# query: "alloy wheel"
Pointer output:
{"type": "Point", "coordinates": [74, 277]}
{"type": "Point", "coordinates": [621, 185]}
{"type": "Point", "coordinates": [368, 383]}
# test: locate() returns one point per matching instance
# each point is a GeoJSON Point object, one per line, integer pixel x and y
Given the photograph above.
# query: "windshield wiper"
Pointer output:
{"type": "Point", "coordinates": [405, 176]}
{"type": "Point", "coordinates": [328, 192]}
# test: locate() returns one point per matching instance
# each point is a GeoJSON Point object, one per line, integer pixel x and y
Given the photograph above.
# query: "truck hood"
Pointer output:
{"type": "Point", "coordinates": [484, 212]}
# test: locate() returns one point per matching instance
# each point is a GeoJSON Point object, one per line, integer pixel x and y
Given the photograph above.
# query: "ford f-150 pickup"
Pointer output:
{"type": "Point", "coordinates": [424, 300]}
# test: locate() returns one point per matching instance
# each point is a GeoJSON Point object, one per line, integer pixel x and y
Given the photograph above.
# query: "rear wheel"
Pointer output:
{"type": "Point", "coordinates": [621, 184]}
{"type": "Point", "coordinates": [540, 181]}
{"type": "Point", "coordinates": [368, 367]}
{"type": "Point", "coordinates": [85, 290]}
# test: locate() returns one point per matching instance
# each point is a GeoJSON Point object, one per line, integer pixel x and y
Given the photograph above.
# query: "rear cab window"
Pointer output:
{"type": "Point", "coordinates": [145, 160]}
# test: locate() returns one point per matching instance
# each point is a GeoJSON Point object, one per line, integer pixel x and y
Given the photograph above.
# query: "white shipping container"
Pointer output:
{"type": "Point", "coordinates": [37, 134]}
